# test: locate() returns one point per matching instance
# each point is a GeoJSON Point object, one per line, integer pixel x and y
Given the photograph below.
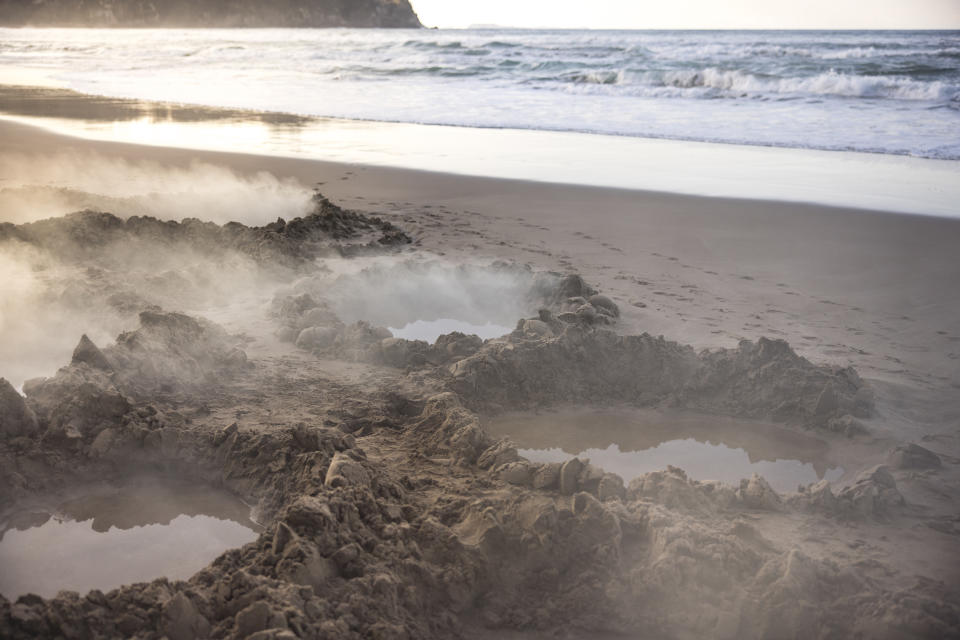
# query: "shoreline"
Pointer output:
{"type": "Point", "coordinates": [861, 180]}
{"type": "Point", "coordinates": [26, 80]}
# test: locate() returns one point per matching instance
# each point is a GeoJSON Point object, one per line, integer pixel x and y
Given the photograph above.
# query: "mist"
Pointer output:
{"type": "Point", "coordinates": [396, 291]}
{"type": "Point", "coordinates": [39, 186]}
{"type": "Point", "coordinates": [46, 303]}
{"type": "Point", "coordinates": [66, 274]}
{"type": "Point", "coordinates": [52, 294]}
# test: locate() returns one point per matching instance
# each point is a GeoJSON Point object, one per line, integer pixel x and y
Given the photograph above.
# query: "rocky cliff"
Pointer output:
{"type": "Point", "coordinates": [208, 13]}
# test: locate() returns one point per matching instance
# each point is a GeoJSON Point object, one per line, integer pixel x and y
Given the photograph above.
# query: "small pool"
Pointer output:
{"type": "Point", "coordinates": [422, 300]}
{"type": "Point", "coordinates": [631, 442]}
{"type": "Point", "coordinates": [106, 536]}
{"type": "Point", "coordinates": [430, 330]}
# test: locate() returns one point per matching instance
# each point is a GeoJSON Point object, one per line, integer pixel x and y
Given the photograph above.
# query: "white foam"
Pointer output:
{"type": "Point", "coordinates": [830, 83]}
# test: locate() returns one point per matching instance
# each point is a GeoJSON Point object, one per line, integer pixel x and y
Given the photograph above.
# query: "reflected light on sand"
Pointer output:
{"type": "Point", "coordinates": [154, 132]}
{"type": "Point", "coordinates": [863, 180]}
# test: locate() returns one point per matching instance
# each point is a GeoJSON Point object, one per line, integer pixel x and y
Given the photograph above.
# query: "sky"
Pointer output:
{"type": "Point", "coordinates": [693, 14]}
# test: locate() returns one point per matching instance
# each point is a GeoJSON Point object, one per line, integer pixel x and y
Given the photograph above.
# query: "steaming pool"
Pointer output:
{"type": "Point", "coordinates": [430, 330]}
{"type": "Point", "coordinates": [631, 442]}
{"type": "Point", "coordinates": [423, 300]}
{"type": "Point", "coordinates": [107, 535]}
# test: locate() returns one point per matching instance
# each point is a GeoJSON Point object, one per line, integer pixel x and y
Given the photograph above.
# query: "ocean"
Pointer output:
{"type": "Point", "coordinates": [878, 92]}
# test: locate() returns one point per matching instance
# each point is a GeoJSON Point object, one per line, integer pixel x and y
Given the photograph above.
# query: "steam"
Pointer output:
{"type": "Point", "coordinates": [46, 305]}
{"type": "Point", "coordinates": [393, 292]}
{"type": "Point", "coordinates": [50, 296]}
{"type": "Point", "coordinates": [49, 299]}
{"type": "Point", "coordinates": [39, 327]}
{"type": "Point", "coordinates": [37, 186]}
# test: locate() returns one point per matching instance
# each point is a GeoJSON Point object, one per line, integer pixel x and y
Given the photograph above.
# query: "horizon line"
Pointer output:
{"type": "Point", "coordinates": [542, 28]}
{"type": "Point", "coordinates": [485, 27]}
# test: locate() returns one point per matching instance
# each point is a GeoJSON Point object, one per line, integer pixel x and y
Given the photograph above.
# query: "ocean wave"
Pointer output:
{"type": "Point", "coordinates": [882, 52]}
{"type": "Point", "coordinates": [596, 77]}
{"type": "Point", "coordinates": [830, 83]}
{"type": "Point", "coordinates": [433, 44]}
{"type": "Point", "coordinates": [713, 82]}
{"type": "Point", "coordinates": [728, 51]}
{"type": "Point", "coordinates": [822, 51]}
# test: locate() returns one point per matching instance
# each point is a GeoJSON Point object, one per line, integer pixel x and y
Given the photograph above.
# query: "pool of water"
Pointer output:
{"type": "Point", "coordinates": [424, 299]}
{"type": "Point", "coordinates": [631, 442]}
{"type": "Point", "coordinates": [105, 536]}
{"type": "Point", "coordinates": [430, 330]}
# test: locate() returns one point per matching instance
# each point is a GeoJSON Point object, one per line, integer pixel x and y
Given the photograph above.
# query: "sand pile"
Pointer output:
{"type": "Point", "coordinates": [87, 236]}
{"type": "Point", "coordinates": [568, 354]}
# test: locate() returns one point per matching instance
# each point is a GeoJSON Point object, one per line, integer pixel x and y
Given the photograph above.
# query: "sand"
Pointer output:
{"type": "Point", "coordinates": [844, 287]}
{"type": "Point", "coordinates": [869, 288]}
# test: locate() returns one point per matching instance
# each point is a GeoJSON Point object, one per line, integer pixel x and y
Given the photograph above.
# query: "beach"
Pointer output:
{"type": "Point", "coordinates": [843, 287]}
{"type": "Point", "coordinates": [849, 286]}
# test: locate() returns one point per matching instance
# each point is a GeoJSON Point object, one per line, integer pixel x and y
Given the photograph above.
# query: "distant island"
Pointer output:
{"type": "Point", "coordinates": [208, 13]}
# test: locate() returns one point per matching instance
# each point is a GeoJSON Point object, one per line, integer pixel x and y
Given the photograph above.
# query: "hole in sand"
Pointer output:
{"type": "Point", "coordinates": [106, 536]}
{"type": "Point", "coordinates": [430, 330]}
{"type": "Point", "coordinates": [424, 300]}
{"type": "Point", "coordinates": [631, 442]}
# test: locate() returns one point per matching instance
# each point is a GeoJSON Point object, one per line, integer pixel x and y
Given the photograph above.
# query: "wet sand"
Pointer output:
{"type": "Point", "coordinates": [841, 179]}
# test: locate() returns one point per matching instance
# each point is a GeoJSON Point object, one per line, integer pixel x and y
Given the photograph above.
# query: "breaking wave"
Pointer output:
{"type": "Point", "coordinates": [829, 83]}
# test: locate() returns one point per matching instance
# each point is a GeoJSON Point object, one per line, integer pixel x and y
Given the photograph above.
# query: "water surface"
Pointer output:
{"type": "Point", "coordinates": [876, 91]}
{"type": "Point", "coordinates": [106, 536]}
{"type": "Point", "coordinates": [631, 442]}
{"type": "Point", "coordinates": [424, 299]}
{"type": "Point", "coordinates": [430, 330]}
